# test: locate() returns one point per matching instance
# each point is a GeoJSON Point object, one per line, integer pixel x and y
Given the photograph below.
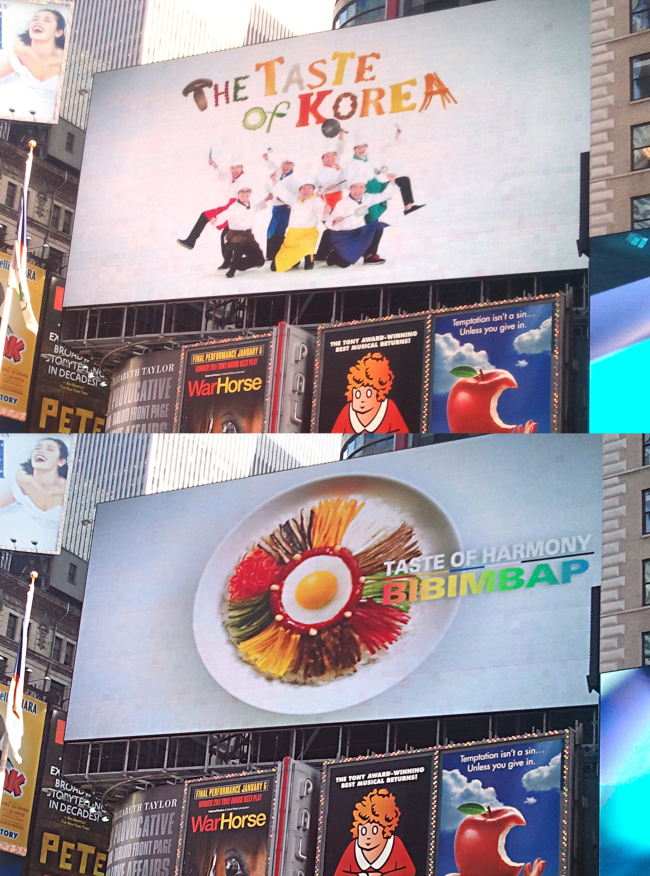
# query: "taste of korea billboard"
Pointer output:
{"type": "Point", "coordinates": [442, 147]}
{"type": "Point", "coordinates": [440, 580]}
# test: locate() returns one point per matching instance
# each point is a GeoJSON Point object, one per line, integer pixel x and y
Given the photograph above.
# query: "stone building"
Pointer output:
{"type": "Point", "coordinates": [620, 128]}
{"type": "Point", "coordinates": [625, 588]}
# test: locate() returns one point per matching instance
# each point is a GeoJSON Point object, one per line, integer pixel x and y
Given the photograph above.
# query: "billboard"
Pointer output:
{"type": "Point", "coordinates": [21, 779]}
{"type": "Point", "coordinates": [20, 344]}
{"type": "Point", "coordinates": [225, 385]}
{"type": "Point", "coordinates": [146, 831]}
{"type": "Point", "coordinates": [426, 152]}
{"type": "Point", "coordinates": [497, 369]}
{"type": "Point", "coordinates": [619, 285]}
{"type": "Point", "coordinates": [70, 394]}
{"type": "Point", "coordinates": [350, 592]}
{"type": "Point", "coordinates": [504, 802]}
{"type": "Point", "coordinates": [624, 776]}
{"type": "Point", "coordinates": [72, 827]}
{"type": "Point", "coordinates": [34, 40]}
{"type": "Point", "coordinates": [228, 825]}
{"type": "Point", "coordinates": [143, 393]}
{"type": "Point", "coordinates": [371, 376]}
{"type": "Point", "coordinates": [376, 815]}
{"type": "Point", "coordinates": [33, 491]}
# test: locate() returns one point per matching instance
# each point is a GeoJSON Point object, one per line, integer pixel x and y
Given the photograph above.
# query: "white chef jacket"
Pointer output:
{"type": "Point", "coordinates": [229, 189]}
{"type": "Point", "coordinates": [290, 183]}
{"type": "Point", "coordinates": [330, 176]}
{"type": "Point", "coordinates": [240, 217]}
{"type": "Point", "coordinates": [304, 214]}
{"type": "Point", "coordinates": [347, 208]}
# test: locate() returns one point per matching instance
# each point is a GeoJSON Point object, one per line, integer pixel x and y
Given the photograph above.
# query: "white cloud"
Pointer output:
{"type": "Point", "coordinates": [450, 353]}
{"type": "Point", "coordinates": [456, 790]}
{"type": "Point", "coordinates": [530, 800]}
{"type": "Point", "coordinates": [522, 363]}
{"type": "Point", "coordinates": [536, 340]}
{"type": "Point", "coordinates": [544, 778]}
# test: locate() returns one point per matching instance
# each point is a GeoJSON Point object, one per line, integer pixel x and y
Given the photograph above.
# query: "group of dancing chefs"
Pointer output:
{"type": "Point", "coordinates": [332, 215]}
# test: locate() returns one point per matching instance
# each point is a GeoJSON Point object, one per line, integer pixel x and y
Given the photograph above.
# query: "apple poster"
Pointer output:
{"type": "Point", "coordinates": [377, 816]}
{"type": "Point", "coordinates": [492, 370]}
{"type": "Point", "coordinates": [500, 809]}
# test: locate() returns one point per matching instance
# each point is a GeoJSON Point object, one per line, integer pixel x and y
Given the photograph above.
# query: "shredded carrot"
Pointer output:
{"type": "Point", "coordinates": [331, 520]}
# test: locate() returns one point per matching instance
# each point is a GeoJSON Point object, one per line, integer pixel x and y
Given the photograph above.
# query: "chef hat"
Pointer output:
{"type": "Point", "coordinates": [358, 177]}
{"type": "Point", "coordinates": [357, 138]}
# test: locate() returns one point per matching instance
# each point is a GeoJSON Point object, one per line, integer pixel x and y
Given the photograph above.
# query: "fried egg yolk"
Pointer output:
{"type": "Point", "coordinates": [317, 590]}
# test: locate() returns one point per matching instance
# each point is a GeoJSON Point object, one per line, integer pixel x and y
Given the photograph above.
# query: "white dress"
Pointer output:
{"type": "Point", "coordinates": [26, 523]}
{"type": "Point", "coordinates": [24, 93]}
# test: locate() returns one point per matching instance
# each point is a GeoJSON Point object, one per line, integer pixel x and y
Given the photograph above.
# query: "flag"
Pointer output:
{"type": "Point", "coordinates": [17, 280]}
{"type": "Point", "coordinates": [14, 719]}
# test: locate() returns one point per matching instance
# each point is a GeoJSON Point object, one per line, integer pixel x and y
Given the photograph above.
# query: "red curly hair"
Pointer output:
{"type": "Point", "coordinates": [378, 806]}
{"type": "Point", "coordinates": [373, 370]}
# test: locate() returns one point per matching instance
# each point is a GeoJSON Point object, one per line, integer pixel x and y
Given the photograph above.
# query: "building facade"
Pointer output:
{"type": "Point", "coordinates": [348, 13]}
{"type": "Point", "coordinates": [620, 144]}
{"type": "Point", "coordinates": [625, 589]}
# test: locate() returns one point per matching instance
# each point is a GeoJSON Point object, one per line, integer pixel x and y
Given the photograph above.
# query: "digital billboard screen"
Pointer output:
{"type": "Point", "coordinates": [355, 591]}
{"type": "Point", "coordinates": [414, 149]}
{"type": "Point", "coordinates": [504, 802]}
{"type": "Point", "coordinates": [619, 286]}
{"type": "Point", "coordinates": [497, 369]}
{"type": "Point", "coordinates": [371, 377]}
{"type": "Point", "coordinates": [624, 775]}
{"type": "Point", "coordinates": [34, 40]}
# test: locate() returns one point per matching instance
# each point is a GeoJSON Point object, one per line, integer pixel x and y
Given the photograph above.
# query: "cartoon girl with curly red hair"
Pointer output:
{"type": "Point", "coordinates": [375, 850]}
{"type": "Point", "coordinates": [369, 408]}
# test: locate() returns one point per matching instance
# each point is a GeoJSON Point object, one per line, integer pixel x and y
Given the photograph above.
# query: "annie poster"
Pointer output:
{"type": "Point", "coordinates": [227, 826]}
{"type": "Point", "coordinates": [377, 816]}
{"type": "Point", "coordinates": [224, 386]}
{"type": "Point", "coordinates": [354, 157]}
{"type": "Point", "coordinates": [500, 809]}
{"type": "Point", "coordinates": [492, 370]}
{"type": "Point", "coordinates": [371, 377]}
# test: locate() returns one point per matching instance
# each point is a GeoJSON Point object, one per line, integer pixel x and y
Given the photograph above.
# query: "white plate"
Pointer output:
{"type": "Point", "coordinates": [389, 502]}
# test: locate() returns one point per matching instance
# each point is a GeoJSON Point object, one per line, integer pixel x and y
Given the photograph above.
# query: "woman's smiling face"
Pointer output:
{"type": "Point", "coordinates": [44, 26]}
{"type": "Point", "coordinates": [46, 455]}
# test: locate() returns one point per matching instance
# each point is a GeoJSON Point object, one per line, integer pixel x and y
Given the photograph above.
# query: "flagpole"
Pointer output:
{"type": "Point", "coordinates": [17, 685]}
{"type": "Point", "coordinates": [9, 291]}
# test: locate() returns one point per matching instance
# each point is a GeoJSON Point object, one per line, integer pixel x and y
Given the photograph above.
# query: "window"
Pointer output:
{"type": "Point", "coordinates": [55, 219]}
{"type": "Point", "coordinates": [646, 649]}
{"type": "Point", "coordinates": [361, 12]}
{"type": "Point", "coordinates": [646, 582]}
{"type": "Point", "coordinates": [56, 693]}
{"type": "Point", "coordinates": [646, 512]}
{"type": "Point", "coordinates": [72, 574]}
{"type": "Point", "coordinates": [69, 654]}
{"type": "Point", "coordinates": [10, 197]}
{"type": "Point", "coordinates": [12, 626]}
{"type": "Point", "coordinates": [640, 76]}
{"type": "Point", "coordinates": [640, 146]}
{"type": "Point", "coordinates": [641, 212]}
{"type": "Point", "coordinates": [646, 450]}
{"type": "Point", "coordinates": [640, 10]}
{"type": "Point", "coordinates": [67, 222]}
{"type": "Point", "coordinates": [69, 142]}
{"type": "Point", "coordinates": [56, 650]}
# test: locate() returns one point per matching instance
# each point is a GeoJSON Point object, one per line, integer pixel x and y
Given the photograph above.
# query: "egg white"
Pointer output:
{"type": "Point", "coordinates": [320, 563]}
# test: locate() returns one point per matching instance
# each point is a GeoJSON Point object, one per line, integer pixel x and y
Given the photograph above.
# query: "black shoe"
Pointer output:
{"type": "Point", "coordinates": [231, 273]}
{"type": "Point", "coordinates": [414, 208]}
{"type": "Point", "coordinates": [309, 263]}
{"type": "Point", "coordinates": [223, 267]}
{"type": "Point", "coordinates": [374, 260]}
{"type": "Point", "coordinates": [186, 243]}
{"type": "Point", "coordinates": [273, 268]}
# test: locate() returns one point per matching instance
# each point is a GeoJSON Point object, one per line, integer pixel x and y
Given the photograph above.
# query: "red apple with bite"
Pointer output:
{"type": "Point", "coordinates": [480, 843]}
{"type": "Point", "coordinates": [472, 401]}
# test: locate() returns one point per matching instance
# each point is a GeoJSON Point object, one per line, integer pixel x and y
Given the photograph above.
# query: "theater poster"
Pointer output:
{"type": "Point", "coordinates": [371, 377]}
{"type": "Point", "coordinates": [376, 815]}
{"type": "Point", "coordinates": [228, 824]}
{"type": "Point", "coordinates": [496, 369]}
{"type": "Point", "coordinates": [225, 385]}
{"type": "Point", "coordinates": [505, 807]}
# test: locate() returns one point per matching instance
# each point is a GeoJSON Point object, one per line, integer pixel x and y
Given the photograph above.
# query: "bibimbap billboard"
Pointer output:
{"type": "Point", "coordinates": [446, 579]}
